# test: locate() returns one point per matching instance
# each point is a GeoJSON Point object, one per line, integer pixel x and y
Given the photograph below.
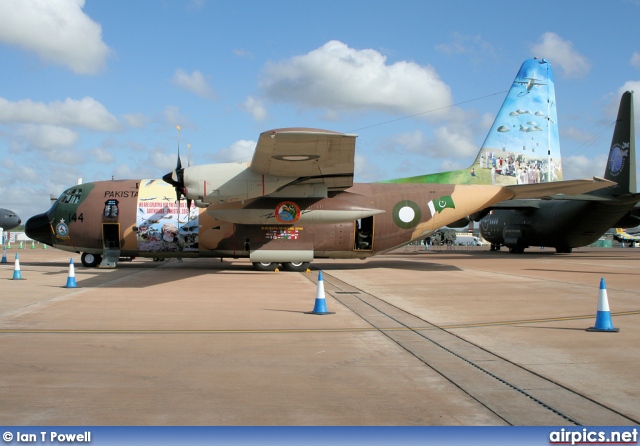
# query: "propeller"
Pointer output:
{"type": "Point", "coordinates": [176, 179]}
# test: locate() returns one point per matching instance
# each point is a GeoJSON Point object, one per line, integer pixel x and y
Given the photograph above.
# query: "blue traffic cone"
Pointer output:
{"type": "Point", "coordinates": [16, 270]}
{"type": "Point", "coordinates": [71, 279]}
{"type": "Point", "coordinates": [603, 316]}
{"type": "Point", "coordinates": [320, 306]}
{"type": "Point", "coordinates": [4, 255]}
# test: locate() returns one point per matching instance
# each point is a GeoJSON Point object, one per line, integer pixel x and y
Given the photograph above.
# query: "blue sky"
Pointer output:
{"type": "Point", "coordinates": [95, 89]}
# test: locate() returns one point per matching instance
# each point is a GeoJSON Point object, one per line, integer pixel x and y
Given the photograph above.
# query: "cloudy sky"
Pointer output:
{"type": "Point", "coordinates": [95, 89]}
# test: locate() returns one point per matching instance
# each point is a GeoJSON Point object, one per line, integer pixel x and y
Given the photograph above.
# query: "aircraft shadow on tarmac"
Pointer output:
{"type": "Point", "coordinates": [126, 275]}
{"type": "Point", "coordinates": [380, 262]}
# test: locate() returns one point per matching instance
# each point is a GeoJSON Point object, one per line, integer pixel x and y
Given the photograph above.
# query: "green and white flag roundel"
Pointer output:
{"type": "Point", "coordinates": [406, 214]}
{"type": "Point", "coordinates": [441, 204]}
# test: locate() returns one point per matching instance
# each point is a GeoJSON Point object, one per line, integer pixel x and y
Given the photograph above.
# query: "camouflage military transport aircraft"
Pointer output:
{"type": "Point", "coordinates": [294, 202]}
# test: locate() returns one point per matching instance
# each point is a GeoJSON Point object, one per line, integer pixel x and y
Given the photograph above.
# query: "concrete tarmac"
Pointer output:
{"type": "Point", "coordinates": [205, 342]}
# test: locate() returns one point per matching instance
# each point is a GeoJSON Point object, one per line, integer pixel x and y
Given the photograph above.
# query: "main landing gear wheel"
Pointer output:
{"type": "Point", "coordinates": [299, 267]}
{"type": "Point", "coordinates": [90, 260]}
{"type": "Point", "coordinates": [563, 250]}
{"type": "Point", "coordinates": [265, 266]}
{"type": "Point", "coordinates": [516, 249]}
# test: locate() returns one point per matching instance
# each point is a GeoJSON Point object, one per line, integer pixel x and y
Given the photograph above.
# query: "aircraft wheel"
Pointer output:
{"type": "Point", "coordinates": [90, 260]}
{"type": "Point", "coordinates": [560, 250]}
{"type": "Point", "coordinates": [296, 266]}
{"type": "Point", "coordinates": [265, 266]}
{"type": "Point", "coordinates": [516, 249]}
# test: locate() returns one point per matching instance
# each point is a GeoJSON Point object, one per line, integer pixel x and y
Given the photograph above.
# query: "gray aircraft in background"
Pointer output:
{"type": "Point", "coordinates": [8, 219]}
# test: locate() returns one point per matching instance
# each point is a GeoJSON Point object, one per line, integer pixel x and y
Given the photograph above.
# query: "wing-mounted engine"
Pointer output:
{"type": "Point", "coordinates": [220, 183]}
{"type": "Point", "coordinates": [292, 162]}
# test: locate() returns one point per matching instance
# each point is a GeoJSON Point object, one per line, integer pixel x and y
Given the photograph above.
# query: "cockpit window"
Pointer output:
{"type": "Point", "coordinates": [71, 196]}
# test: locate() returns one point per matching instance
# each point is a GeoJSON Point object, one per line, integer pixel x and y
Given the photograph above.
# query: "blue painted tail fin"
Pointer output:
{"type": "Point", "coordinates": [522, 146]}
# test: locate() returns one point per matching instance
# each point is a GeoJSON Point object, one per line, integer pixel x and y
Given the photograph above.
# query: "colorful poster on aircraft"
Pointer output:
{"type": "Point", "coordinates": [162, 226]}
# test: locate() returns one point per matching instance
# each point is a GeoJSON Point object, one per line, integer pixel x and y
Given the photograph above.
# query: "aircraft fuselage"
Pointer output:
{"type": "Point", "coordinates": [140, 218]}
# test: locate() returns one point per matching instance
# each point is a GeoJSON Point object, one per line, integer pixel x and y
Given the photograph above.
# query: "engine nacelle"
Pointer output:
{"type": "Point", "coordinates": [219, 183]}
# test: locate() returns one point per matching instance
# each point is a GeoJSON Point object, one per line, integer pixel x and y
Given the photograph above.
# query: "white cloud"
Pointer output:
{"type": "Point", "coordinates": [195, 5]}
{"type": "Point", "coordinates": [454, 141]}
{"type": "Point", "coordinates": [157, 163]}
{"type": "Point", "coordinates": [87, 113]}
{"type": "Point", "coordinates": [337, 77]}
{"type": "Point", "coordinates": [28, 174]}
{"type": "Point", "coordinates": [48, 137]}
{"type": "Point", "coordinates": [465, 44]}
{"type": "Point", "coordinates": [576, 167]}
{"type": "Point", "coordinates": [561, 53]}
{"type": "Point", "coordinates": [635, 59]}
{"type": "Point", "coordinates": [243, 53]}
{"type": "Point", "coordinates": [451, 141]}
{"type": "Point", "coordinates": [173, 116]}
{"type": "Point", "coordinates": [135, 119]}
{"type": "Point", "coordinates": [239, 151]}
{"type": "Point", "coordinates": [365, 171]}
{"type": "Point", "coordinates": [102, 156]}
{"type": "Point", "coordinates": [255, 108]}
{"type": "Point", "coordinates": [194, 82]}
{"type": "Point", "coordinates": [58, 31]}
{"type": "Point", "coordinates": [576, 133]}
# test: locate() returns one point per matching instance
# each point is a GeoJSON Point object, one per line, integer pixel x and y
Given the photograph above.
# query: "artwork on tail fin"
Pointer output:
{"type": "Point", "coordinates": [522, 146]}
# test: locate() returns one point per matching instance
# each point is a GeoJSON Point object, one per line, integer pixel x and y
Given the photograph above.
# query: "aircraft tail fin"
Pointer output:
{"type": "Point", "coordinates": [522, 146]}
{"type": "Point", "coordinates": [621, 164]}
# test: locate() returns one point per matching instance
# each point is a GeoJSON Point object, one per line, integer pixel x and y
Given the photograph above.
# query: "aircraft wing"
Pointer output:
{"type": "Point", "coordinates": [311, 155]}
{"type": "Point", "coordinates": [570, 187]}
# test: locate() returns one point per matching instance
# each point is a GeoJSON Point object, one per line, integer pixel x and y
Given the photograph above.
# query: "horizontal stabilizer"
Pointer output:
{"type": "Point", "coordinates": [570, 187]}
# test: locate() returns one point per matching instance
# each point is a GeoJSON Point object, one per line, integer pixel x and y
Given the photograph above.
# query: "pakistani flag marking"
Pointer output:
{"type": "Point", "coordinates": [441, 204]}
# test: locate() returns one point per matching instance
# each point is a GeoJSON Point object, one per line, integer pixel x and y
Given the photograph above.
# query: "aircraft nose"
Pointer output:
{"type": "Point", "coordinates": [38, 228]}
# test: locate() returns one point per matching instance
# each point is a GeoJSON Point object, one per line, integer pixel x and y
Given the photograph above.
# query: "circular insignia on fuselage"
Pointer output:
{"type": "Point", "coordinates": [287, 212]}
{"type": "Point", "coordinates": [406, 214]}
{"type": "Point", "coordinates": [62, 230]}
